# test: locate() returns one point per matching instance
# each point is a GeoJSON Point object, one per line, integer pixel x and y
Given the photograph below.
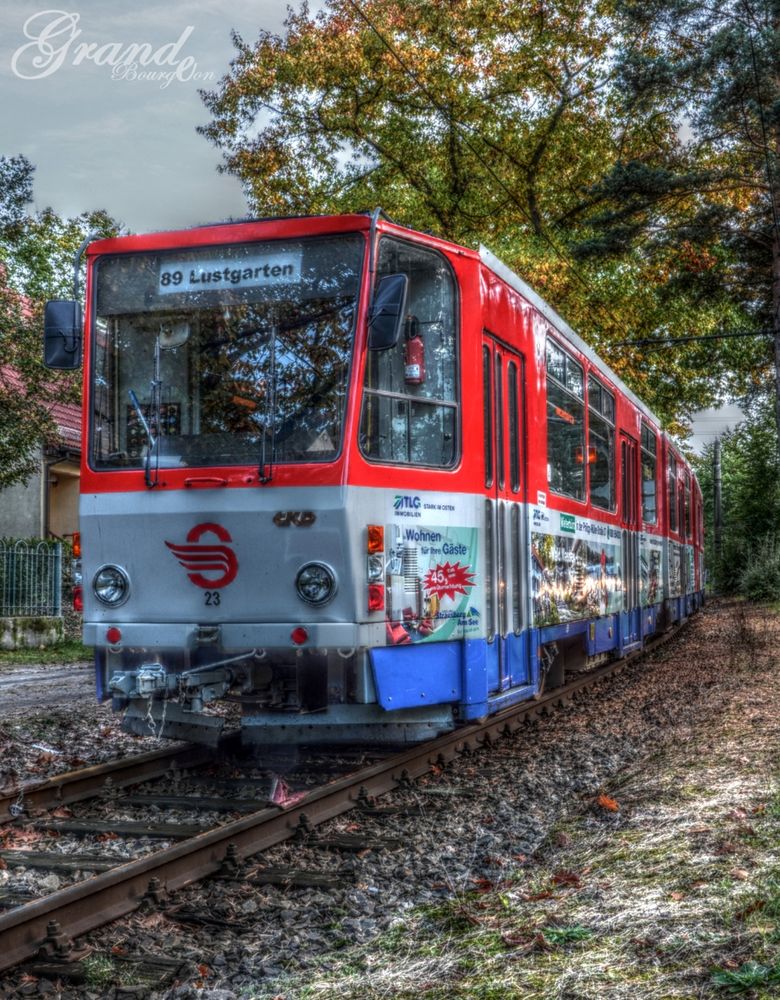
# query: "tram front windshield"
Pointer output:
{"type": "Point", "coordinates": [230, 355]}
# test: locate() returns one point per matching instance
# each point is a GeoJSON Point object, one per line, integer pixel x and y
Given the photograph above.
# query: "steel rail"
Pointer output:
{"type": "Point", "coordinates": [85, 783]}
{"type": "Point", "coordinates": [84, 906]}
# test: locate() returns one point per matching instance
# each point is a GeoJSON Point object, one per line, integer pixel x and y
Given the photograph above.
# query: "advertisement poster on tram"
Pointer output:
{"type": "Point", "coordinates": [675, 570]}
{"type": "Point", "coordinates": [431, 581]}
{"type": "Point", "coordinates": [575, 568]}
{"type": "Point", "coordinates": [651, 550]}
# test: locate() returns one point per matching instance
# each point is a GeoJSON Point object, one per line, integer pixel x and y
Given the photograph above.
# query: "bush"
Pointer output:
{"type": "Point", "coordinates": [760, 579]}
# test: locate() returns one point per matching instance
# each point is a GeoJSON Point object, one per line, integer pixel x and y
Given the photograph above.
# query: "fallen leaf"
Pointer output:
{"type": "Point", "coordinates": [755, 906]}
{"type": "Point", "coordinates": [18, 838]}
{"type": "Point", "coordinates": [520, 942]}
{"type": "Point", "coordinates": [204, 971]}
{"type": "Point", "coordinates": [677, 896]}
{"type": "Point", "coordinates": [607, 803]}
{"type": "Point", "coordinates": [739, 873]}
{"type": "Point", "coordinates": [533, 897]}
{"type": "Point", "coordinates": [566, 878]}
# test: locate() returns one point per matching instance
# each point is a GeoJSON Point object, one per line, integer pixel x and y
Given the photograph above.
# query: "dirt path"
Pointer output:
{"type": "Point", "coordinates": [44, 686]}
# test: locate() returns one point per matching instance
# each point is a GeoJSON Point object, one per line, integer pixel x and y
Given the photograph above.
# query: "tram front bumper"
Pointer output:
{"type": "Point", "coordinates": [233, 636]}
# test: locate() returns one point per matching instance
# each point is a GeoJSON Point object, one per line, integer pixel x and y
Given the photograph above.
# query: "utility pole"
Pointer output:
{"type": "Point", "coordinates": [718, 512]}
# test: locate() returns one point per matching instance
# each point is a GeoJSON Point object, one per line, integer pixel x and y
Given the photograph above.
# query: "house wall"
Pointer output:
{"type": "Point", "coordinates": [22, 508]}
{"type": "Point", "coordinates": [63, 499]}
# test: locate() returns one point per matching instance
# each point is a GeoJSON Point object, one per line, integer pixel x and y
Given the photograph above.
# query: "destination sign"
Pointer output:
{"type": "Point", "coordinates": [217, 273]}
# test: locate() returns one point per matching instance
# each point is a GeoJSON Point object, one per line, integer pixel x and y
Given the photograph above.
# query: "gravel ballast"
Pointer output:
{"type": "Point", "coordinates": [489, 834]}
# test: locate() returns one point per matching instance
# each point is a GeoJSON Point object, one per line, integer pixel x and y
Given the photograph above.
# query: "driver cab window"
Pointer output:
{"type": "Point", "coordinates": [410, 401]}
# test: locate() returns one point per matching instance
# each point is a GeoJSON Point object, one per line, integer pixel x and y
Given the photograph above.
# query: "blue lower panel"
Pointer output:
{"type": "Point", "coordinates": [481, 676]}
{"type": "Point", "coordinates": [446, 672]}
{"type": "Point", "coordinates": [410, 676]}
{"type": "Point", "coordinates": [517, 660]}
{"type": "Point", "coordinates": [602, 635]}
{"type": "Point", "coordinates": [650, 616]}
{"type": "Point", "coordinates": [507, 662]}
{"type": "Point", "coordinates": [630, 629]}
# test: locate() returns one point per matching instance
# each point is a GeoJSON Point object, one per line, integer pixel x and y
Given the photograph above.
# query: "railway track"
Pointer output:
{"type": "Point", "coordinates": [45, 928]}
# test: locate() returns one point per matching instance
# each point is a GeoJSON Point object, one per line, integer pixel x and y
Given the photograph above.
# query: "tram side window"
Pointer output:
{"type": "Point", "coordinates": [672, 494]}
{"type": "Point", "coordinates": [487, 403]}
{"type": "Point", "coordinates": [687, 508]}
{"type": "Point", "coordinates": [649, 472]}
{"type": "Point", "coordinates": [601, 444]}
{"type": "Point", "coordinates": [410, 411]}
{"type": "Point", "coordinates": [565, 423]}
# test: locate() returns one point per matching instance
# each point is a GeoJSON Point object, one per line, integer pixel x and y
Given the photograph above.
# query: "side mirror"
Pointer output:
{"type": "Point", "coordinates": [386, 315]}
{"type": "Point", "coordinates": [62, 334]}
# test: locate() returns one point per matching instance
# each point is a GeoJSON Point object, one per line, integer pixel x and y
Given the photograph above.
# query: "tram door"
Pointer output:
{"type": "Point", "coordinates": [506, 589]}
{"type": "Point", "coordinates": [629, 504]}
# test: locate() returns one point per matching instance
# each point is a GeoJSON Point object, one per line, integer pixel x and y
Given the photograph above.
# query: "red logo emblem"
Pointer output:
{"type": "Point", "coordinates": [199, 558]}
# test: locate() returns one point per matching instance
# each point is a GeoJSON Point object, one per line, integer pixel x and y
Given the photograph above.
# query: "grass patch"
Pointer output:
{"type": "Point", "coordinates": [98, 971]}
{"type": "Point", "coordinates": [750, 976]}
{"type": "Point", "coordinates": [566, 935]}
{"type": "Point", "coordinates": [69, 651]}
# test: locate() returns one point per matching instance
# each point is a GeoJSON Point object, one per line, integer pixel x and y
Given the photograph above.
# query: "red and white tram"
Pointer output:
{"type": "Point", "coordinates": [362, 479]}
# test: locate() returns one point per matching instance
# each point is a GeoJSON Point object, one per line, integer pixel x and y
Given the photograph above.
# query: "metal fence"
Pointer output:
{"type": "Point", "coordinates": [30, 579]}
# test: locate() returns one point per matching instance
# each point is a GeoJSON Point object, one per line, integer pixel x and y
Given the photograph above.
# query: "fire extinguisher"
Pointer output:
{"type": "Point", "coordinates": [414, 353]}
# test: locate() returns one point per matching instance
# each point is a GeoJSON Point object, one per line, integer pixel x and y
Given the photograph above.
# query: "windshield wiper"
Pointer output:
{"type": "Point", "coordinates": [152, 441]}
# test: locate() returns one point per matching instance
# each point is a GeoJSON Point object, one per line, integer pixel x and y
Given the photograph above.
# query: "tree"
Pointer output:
{"type": "Point", "coordinates": [15, 190]}
{"type": "Point", "coordinates": [751, 498]}
{"type": "Point", "coordinates": [713, 198]}
{"type": "Point", "coordinates": [36, 263]}
{"type": "Point", "coordinates": [486, 122]}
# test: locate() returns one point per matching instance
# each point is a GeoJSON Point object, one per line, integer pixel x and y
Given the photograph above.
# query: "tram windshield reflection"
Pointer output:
{"type": "Point", "coordinates": [230, 355]}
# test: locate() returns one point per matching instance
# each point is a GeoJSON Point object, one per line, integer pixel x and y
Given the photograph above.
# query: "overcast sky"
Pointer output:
{"type": "Point", "coordinates": [101, 139]}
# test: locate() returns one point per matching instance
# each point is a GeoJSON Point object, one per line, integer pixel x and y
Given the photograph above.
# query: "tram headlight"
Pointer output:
{"type": "Point", "coordinates": [315, 583]}
{"type": "Point", "coordinates": [111, 586]}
